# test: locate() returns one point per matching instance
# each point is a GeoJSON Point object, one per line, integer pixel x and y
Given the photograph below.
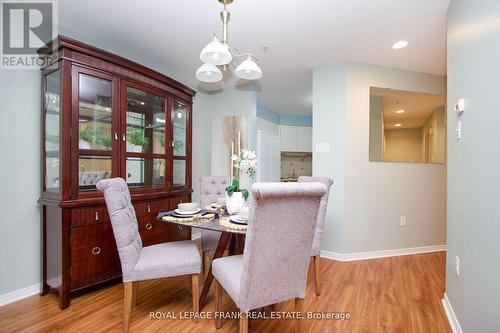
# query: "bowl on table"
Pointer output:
{"type": "Point", "coordinates": [188, 208]}
{"type": "Point", "coordinates": [243, 213]}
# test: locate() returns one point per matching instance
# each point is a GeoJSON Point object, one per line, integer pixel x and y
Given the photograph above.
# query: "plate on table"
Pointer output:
{"type": "Point", "coordinates": [183, 212]}
{"type": "Point", "coordinates": [238, 220]}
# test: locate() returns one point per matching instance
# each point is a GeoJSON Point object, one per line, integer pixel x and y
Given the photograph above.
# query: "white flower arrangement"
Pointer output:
{"type": "Point", "coordinates": [246, 160]}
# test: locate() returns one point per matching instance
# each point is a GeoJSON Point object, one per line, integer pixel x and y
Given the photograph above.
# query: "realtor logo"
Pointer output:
{"type": "Point", "coordinates": [27, 27]}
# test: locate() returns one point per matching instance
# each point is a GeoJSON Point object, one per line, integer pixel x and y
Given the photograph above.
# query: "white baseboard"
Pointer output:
{"type": "Point", "coordinates": [381, 254]}
{"type": "Point", "coordinates": [19, 294]}
{"type": "Point", "coordinates": [452, 319]}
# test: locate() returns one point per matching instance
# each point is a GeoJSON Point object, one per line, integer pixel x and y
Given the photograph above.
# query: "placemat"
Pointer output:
{"type": "Point", "coordinates": [195, 219]}
{"type": "Point", "coordinates": [226, 223]}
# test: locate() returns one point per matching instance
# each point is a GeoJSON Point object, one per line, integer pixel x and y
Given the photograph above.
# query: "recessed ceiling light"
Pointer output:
{"type": "Point", "coordinates": [400, 111]}
{"type": "Point", "coordinates": [397, 125]}
{"type": "Point", "coordinates": [399, 44]}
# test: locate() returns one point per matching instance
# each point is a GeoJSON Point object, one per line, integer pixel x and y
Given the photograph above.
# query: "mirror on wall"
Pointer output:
{"type": "Point", "coordinates": [406, 126]}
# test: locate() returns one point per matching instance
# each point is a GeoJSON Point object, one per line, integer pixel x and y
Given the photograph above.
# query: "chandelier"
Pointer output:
{"type": "Point", "coordinates": [219, 53]}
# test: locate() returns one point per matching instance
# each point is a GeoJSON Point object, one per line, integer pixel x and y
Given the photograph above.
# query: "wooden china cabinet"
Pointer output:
{"type": "Point", "coordinates": [105, 116]}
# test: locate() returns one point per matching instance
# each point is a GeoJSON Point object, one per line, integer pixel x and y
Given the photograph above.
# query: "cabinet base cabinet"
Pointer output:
{"type": "Point", "coordinates": [88, 255]}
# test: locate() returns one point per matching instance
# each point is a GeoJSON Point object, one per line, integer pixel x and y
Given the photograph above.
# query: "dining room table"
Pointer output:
{"type": "Point", "coordinates": [232, 238]}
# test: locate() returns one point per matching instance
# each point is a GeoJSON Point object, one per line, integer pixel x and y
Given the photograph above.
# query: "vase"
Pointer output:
{"type": "Point", "coordinates": [234, 202]}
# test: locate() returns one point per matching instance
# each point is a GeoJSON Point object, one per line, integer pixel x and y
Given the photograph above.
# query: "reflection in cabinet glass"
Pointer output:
{"type": "Point", "coordinates": [92, 170]}
{"type": "Point", "coordinates": [94, 113]}
{"type": "Point", "coordinates": [145, 122]}
{"type": "Point", "coordinates": [145, 172]}
{"type": "Point", "coordinates": [180, 124]}
{"type": "Point", "coordinates": [52, 131]}
{"type": "Point", "coordinates": [179, 173]}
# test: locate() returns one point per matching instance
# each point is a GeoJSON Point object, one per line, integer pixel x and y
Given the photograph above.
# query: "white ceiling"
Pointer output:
{"type": "Point", "coordinates": [417, 106]}
{"type": "Point", "coordinates": [300, 35]}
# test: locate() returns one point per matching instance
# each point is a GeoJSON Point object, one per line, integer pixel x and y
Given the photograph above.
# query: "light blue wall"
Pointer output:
{"type": "Point", "coordinates": [368, 198]}
{"type": "Point", "coordinates": [295, 120]}
{"type": "Point", "coordinates": [329, 126]}
{"type": "Point", "coordinates": [282, 119]}
{"type": "Point", "coordinates": [20, 250]}
{"type": "Point", "coordinates": [268, 114]}
{"type": "Point", "coordinates": [474, 164]}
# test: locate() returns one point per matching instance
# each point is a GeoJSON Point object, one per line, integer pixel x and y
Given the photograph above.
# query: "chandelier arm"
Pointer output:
{"type": "Point", "coordinates": [237, 53]}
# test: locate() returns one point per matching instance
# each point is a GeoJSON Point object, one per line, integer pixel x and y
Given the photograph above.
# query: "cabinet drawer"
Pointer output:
{"type": "Point", "coordinates": [89, 215]}
{"type": "Point", "coordinates": [94, 257]}
{"type": "Point", "coordinates": [153, 231]}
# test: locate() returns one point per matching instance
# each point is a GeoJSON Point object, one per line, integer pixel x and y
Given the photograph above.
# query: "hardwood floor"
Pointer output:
{"type": "Point", "coordinates": [398, 294]}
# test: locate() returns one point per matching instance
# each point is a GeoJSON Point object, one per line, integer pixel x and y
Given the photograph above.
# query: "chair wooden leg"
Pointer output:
{"type": "Point", "coordinates": [299, 304]}
{"type": "Point", "coordinates": [128, 295]}
{"type": "Point", "coordinates": [190, 284]}
{"type": "Point", "coordinates": [134, 294]}
{"type": "Point", "coordinates": [218, 304]}
{"type": "Point", "coordinates": [317, 274]}
{"type": "Point", "coordinates": [196, 294]}
{"type": "Point", "coordinates": [206, 260]}
{"type": "Point", "coordinates": [243, 322]}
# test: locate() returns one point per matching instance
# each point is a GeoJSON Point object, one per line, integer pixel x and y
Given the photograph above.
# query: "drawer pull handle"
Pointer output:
{"type": "Point", "coordinates": [123, 137]}
{"type": "Point", "coordinates": [116, 136]}
{"type": "Point", "coordinates": [97, 216]}
{"type": "Point", "coordinates": [149, 226]}
{"type": "Point", "coordinates": [96, 250]}
{"type": "Point", "coordinates": [149, 209]}
{"type": "Point", "coordinates": [180, 227]}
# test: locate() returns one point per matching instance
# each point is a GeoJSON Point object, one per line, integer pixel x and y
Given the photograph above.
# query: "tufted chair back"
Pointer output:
{"type": "Point", "coordinates": [211, 188]}
{"type": "Point", "coordinates": [278, 242]}
{"type": "Point", "coordinates": [320, 223]}
{"type": "Point", "coordinates": [124, 223]}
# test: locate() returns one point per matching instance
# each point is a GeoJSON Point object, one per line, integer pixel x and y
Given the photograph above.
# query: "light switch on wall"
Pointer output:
{"type": "Point", "coordinates": [460, 106]}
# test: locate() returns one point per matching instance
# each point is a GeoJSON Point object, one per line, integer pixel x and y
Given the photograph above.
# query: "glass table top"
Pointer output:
{"type": "Point", "coordinates": [213, 225]}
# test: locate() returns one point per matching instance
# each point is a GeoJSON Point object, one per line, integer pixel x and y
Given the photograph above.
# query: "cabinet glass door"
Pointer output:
{"type": "Point", "coordinates": [96, 130]}
{"type": "Point", "coordinates": [179, 122]}
{"type": "Point", "coordinates": [52, 131]}
{"type": "Point", "coordinates": [146, 143]}
{"type": "Point", "coordinates": [179, 143]}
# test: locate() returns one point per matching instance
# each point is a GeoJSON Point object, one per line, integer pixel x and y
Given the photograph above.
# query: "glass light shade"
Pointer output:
{"type": "Point", "coordinates": [208, 73]}
{"type": "Point", "coordinates": [216, 53]}
{"type": "Point", "coordinates": [248, 70]}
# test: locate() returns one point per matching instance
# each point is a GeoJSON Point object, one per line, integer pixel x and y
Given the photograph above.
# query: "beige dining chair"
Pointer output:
{"type": "Point", "coordinates": [211, 188]}
{"type": "Point", "coordinates": [145, 263]}
{"type": "Point", "coordinates": [275, 261]}
{"type": "Point", "coordinates": [320, 224]}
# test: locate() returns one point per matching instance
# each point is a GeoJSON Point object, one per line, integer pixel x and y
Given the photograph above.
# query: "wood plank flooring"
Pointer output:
{"type": "Point", "coordinates": [398, 294]}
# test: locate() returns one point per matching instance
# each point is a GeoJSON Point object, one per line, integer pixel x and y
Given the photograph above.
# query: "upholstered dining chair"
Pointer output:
{"type": "Point", "coordinates": [145, 263]}
{"type": "Point", "coordinates": [275, 261]}
{"type": "Point", "coordinates": [211, 188]}
{"type": "Point", "coordinates": [320, 224]}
